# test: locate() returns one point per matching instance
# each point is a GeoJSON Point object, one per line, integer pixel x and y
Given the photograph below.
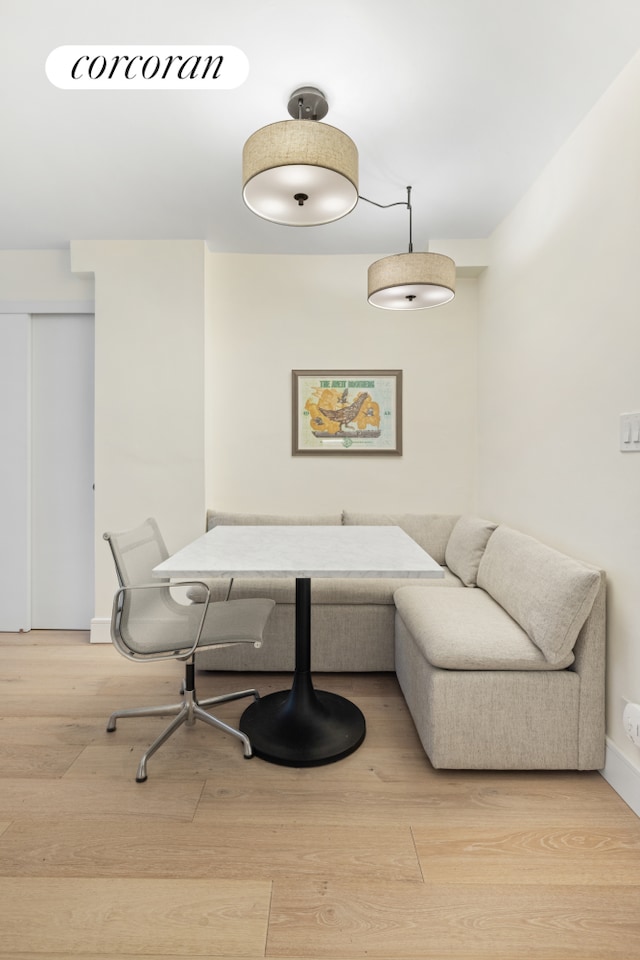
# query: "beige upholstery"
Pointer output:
{"type": "Point", "coordinates": [491, 719]}
{"type": "Point", "coordinates": [546, 592]}
{"type": "Point", "coordinates": [511, 676]}
{"type": "Point", "coordinates": [508, 674]}
{"type": "Point", "coordinates": [430, 530]}
{"type": "Point", "coordinates": [468, 630]}
{"type": "Point", "coordinates": [351, 624]}
{"type": "Point", "coordinates": [216, 518]}
{"type": "Point", "coordinates": [466, 546]}
{"type": "Point", "coordinates": [510, 719]}
{"type": "Point", "coordinates": [331, 590]}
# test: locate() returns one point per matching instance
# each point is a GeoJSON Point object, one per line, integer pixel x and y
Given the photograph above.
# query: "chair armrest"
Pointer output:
{"type": "Point", "coordinates": [156, 626]}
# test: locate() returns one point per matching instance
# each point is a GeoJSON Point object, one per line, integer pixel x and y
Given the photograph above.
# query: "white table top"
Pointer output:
{"type": "Point", "coordinates": [297, 551]}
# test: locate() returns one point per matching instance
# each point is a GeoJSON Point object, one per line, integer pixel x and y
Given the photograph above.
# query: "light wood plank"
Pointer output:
{"type": "Point", "coordinates": [205, 753]}
{"type": "Point", "coordinates": [152, 848]}
{"type": "Point", "coordinates": [85, 705]}
{"type": "Point", "coordinates": [118, 955]}
{"type": "Point", "coordinates": [98, 799]}
{"type": "Point", "coordinates": [378, 855]}
{"type": "Point", "coordinates": [487, 922]}
{"type": "Point", "coordinates": [189, 755]}
{"type": "Point", "coordinates": [45, 638]}
{"type": "Point", "coordinates": [355, 793]}
{"type": "Point", "coordinates": [547, 855]}
{"type": "Point", "coordinates": [52, 732]}
{"type": "Point", "coordinates": [147, 956]}
{"type": "Point", "coordinates": [194, 918]}
{"type": "Point", "coordinates": [28, 760]}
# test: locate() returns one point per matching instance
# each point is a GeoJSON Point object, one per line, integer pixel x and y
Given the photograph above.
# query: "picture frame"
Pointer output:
{"type": "Point", "coordinates": [347, 412]}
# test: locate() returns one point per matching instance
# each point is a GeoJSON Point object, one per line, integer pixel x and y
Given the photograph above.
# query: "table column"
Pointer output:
{"type": "Point", "coordinates": [303, 727]}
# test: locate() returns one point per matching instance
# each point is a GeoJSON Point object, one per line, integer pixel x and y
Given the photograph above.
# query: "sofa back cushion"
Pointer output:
{"type": "Point", "coordinates": [466, 547]}
{"type": "Point", "coordinates": [431, 531]}
{"type": "Point", "coordinates": [218, 518]}
{"type": "Point", "coordinates": [549, 594]}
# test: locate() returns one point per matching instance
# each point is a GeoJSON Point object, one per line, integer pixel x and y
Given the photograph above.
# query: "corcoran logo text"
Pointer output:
{"type": "Point", "coordinates": [146, 67]}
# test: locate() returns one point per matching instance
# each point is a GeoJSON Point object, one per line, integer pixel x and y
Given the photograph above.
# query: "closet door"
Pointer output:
{"type": "Point", "coordinates": [62, 471]}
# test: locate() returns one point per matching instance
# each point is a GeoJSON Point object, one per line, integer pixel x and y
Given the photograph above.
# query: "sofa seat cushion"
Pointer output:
{"type": "Point", "coordinates": [431, 531]}
{"type": "Point", "coordinates": [466, 546]}
{"type": "Point", "coordinates": [336, 590]}
{"type": "Point", "coordinates": [549, 594]}
{"type": "Point", "coordinates": [468, 630]}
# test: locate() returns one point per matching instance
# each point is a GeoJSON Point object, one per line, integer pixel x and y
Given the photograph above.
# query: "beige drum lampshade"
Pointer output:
{"type": "Point", "coordinates": [300, 173]}
{"type": "Point", "coordinates": [411, 281]}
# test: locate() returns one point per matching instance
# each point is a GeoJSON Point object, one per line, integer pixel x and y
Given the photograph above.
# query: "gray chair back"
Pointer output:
{"type": "Point", "coordinates": [136, 552]}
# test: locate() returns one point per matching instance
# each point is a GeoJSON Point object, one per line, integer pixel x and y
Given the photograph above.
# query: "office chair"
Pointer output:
{"type": "Point", "coordinates": [148, 622]}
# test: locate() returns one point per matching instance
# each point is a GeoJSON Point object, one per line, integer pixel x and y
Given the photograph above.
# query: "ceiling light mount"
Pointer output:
{"type": "Point", "coordinates": [410, 281]}
{"type": "Point", "coordinates": [300, 172]}
{"type": "Point", "coordinates": [308, 103]}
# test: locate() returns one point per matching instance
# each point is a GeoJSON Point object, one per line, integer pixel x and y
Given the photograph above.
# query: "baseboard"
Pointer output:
{"type": "Point", "coordinates": [100, 630]}
{"type": "Point", "coordinates": [621, 774]}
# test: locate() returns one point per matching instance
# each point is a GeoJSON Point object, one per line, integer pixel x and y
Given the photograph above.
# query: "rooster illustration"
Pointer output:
{"type": "Point", "coordinates": [345, 415]}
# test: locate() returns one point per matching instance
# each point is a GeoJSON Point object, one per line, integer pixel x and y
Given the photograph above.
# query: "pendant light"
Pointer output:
{"type": "Point", "coordinates": [410, 281]}
{"type": "Point", "coordinates": [300, 172]}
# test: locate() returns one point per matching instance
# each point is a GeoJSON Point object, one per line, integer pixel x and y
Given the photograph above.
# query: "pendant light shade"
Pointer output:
{"type": "Point", "coordinates": [300, 172]}
{"type": "Point", "coordinates": [411, 281]}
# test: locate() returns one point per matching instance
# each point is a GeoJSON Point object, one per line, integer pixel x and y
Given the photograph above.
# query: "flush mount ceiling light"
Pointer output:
{"type": "Point", "coordinates": [300, 172]}
{"type": "Point", "coordinates": [410, 281]}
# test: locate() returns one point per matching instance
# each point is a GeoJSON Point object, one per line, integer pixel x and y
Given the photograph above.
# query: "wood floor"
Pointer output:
{"type": "Point", "coordinates": [378, 857]}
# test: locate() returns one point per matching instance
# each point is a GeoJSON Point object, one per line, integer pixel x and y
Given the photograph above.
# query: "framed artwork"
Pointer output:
{"type": "Point", "coordinates": [347, 412]}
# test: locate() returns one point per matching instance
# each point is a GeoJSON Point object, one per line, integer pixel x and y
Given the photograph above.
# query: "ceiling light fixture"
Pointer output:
{"type": "Point", "coordinates": [410, 281]}
{"type": "Point", "coordinates": [300, 172]}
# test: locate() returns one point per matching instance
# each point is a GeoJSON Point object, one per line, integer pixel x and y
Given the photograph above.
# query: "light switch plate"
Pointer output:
{"type": "Point", "coordinates": [630, 432]}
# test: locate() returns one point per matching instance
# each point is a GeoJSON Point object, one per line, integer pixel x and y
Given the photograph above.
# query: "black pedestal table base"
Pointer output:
{"type": "Point", "coordinates": [303, 727]}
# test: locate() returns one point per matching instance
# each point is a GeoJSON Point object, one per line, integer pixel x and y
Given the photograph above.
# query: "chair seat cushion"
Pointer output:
{"type": "Point", "coordinates": [468, 630]}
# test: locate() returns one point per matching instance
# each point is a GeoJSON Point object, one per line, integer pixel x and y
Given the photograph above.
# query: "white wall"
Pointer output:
{"type": "Point", "coordinates": [559, 349]}
{"type": "Point", "coordinates": [269, 315]}
{"type": "Point", "coordinates": [149, 411]}
{"type": "Point", "coordinates": [33, 281]}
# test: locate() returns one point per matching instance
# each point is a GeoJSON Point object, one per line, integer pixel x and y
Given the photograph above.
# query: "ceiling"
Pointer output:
{"type": "Point", "coordinates": [465, 100]}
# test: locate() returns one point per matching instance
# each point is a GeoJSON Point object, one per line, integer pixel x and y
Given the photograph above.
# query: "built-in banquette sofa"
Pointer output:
{"type": "Point", "coordinates": [501, 662]}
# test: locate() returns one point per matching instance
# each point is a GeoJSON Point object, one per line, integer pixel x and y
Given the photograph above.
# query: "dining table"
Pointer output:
{"type": "Point", "coordinates": [302, 726]}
